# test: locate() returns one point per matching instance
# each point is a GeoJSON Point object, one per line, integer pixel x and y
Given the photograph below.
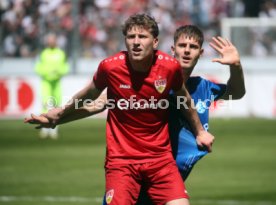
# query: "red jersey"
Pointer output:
{"type": "Point", "coordinates": [137, 121]}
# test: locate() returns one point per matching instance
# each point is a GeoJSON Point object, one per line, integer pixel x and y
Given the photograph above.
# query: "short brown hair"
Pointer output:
{"type": "Point", "coordinates": [141, 20]}
{"type": "Point", "coordinates": [190, 31]}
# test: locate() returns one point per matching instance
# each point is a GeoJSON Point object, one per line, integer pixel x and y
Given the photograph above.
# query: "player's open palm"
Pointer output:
{"type": "Point", "coordinates": [229, 54]}
{"type": "Point", "coordinates": [47, 120]}
{"type": "Point", "coordinates": [39, 120]}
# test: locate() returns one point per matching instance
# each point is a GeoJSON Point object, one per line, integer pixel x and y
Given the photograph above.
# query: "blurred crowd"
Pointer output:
{"type": "Point", "coordinates": [97, 25]}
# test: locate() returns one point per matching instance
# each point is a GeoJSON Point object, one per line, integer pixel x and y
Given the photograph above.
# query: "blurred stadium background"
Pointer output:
{"type": "Point", "coordinates": [70, 170]}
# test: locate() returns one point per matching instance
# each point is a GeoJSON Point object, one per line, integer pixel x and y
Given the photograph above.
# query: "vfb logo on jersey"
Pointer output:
{"type": "Point", "coordinates": [160, 85]}
{"type": "Point", "coordinates": [109, 196]}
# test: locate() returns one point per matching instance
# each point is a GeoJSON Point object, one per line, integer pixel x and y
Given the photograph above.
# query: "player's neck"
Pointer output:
{"type": "Point", "coordinates": [142, 65]}
{"type": "Point", "coordinates": [187, 72]}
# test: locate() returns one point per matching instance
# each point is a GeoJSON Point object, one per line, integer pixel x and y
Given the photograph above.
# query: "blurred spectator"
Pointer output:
{"type": "Point", "coordinates": [19, 31]}
{"type": "Point", "coordinates": [268, 9]}
{"type": "Point", "coordinates": [24, 22]}
{"type": "Point", "coordinates": [252, 8]}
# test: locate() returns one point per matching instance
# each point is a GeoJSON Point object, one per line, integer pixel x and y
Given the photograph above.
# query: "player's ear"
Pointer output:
{"type": "Point", "coordinates": [173, 51]}
{"type": "Point", "coordinates": [201, 51]}
{"type": "Point", "coordinates": [155, 43]}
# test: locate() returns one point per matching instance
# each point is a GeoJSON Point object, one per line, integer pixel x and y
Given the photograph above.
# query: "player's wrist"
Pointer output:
{"type": "Point", "coordinates": [54, 116]}
{"type": "Point", "coordinates": [59, 116]}
{"type": "Point", "coordinates": [199, 131]}
{"type": "Point", "coordinates": [236, 64]}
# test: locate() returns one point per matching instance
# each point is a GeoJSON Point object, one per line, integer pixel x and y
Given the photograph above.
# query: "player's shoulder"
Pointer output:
{"type": "Point", "coordinates": [45, 51]}
{"type": "Point", "coordinates": [197, 80]}
{"type": "Point", "coordinates": [115, 60]}
{"type": "Point", "coordinates": [166, 60]}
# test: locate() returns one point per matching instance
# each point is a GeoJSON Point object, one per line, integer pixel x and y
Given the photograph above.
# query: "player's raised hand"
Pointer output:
{"type": "Point", "coordinates": [229, 54]}
{"type": "Point", "coordinates": [205, 140]}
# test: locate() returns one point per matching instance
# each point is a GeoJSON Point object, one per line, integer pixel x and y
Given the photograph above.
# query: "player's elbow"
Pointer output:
{"type": "Point", "coordinates": [243, 93]}
{"type": "Point", "coordinates": [238, 95]}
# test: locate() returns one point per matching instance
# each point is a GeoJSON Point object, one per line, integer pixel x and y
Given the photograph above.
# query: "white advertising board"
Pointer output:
{"type": "Point", "coordinates": [20, 96]}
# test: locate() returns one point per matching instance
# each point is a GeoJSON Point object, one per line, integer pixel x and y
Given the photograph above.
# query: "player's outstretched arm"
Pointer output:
{"type": "Point", "coordinates": [204, 139]}
{"type": "Point", "coordinates": [45, 120]}
{"type": "Point", "coordinates": [88, 109]}
{"type": "Point", "coordinates": [74, 110]}
{"type": "Point", "coordinates": [229, 55]}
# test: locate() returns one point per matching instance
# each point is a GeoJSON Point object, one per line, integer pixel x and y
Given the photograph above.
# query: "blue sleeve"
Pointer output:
{"type": "Point", "coordinates": [217, 90]}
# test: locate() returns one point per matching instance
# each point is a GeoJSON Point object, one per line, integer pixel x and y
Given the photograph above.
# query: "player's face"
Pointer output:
{"type": "Point", "coordinates": [52, 41]}
{"type": "Point", "coordinates": [140, 43]}
{"type": "Point", "coordinates": [187, 51]}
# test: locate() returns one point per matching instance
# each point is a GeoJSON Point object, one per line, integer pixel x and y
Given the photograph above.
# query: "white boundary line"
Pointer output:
{"type": "Point", "coordinates": [74, 199]}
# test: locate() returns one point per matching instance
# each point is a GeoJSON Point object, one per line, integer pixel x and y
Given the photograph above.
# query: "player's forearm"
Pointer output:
{"type": "Point", "coordinates": [80, 99]}
{"type": "Point", "coordinates": [87, 110]}
{"type": "Point", "coordinates": [189, 111]}
{"type": "Point", "coordinates": [80, 113]}
{"type": "Point", "coordinates": [235, 84]}
{"type": "Point", "coordinates": [72, 106]}
{"type": "Point", "coordinates": [191, 115]}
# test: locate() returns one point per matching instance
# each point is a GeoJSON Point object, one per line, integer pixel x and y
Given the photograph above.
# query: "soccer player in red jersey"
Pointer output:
{"type": "Point", "coordinates": [138, 83]}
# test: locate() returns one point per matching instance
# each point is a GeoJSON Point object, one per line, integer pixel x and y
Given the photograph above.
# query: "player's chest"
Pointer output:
{"type": "Point", "coordinates": [155, 84]}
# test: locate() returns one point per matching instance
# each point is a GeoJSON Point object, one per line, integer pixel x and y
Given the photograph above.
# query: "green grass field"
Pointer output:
{"type": "Point", "coordinates": [240, 171]}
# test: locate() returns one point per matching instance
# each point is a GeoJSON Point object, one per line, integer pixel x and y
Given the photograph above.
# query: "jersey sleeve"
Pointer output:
{"type": "Point", "coordinates": [100, 77]}
{"type": "Point", "coordinates": [177, 79]}
{"type": "Point", "coordinates": [217, 90]}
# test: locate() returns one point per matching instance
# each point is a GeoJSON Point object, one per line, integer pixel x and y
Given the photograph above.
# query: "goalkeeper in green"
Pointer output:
{"type": "Point", "coordinates": [51, 67]}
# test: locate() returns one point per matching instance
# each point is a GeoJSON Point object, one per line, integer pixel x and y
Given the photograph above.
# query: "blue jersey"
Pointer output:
{"type": "Point", "coordinates": [184, 146]}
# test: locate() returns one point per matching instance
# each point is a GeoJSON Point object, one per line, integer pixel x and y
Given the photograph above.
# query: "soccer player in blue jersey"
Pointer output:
{"type": "Point", "coordinates": [187, 49]}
